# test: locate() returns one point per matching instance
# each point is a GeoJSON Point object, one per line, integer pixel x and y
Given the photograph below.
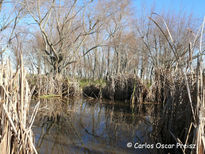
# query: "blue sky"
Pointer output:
{"type": "Point", "coordinates": [196, 7]}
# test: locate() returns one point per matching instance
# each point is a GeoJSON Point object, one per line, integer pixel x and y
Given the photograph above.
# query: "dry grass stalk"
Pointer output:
{"type": "Point", "coordinates": [200, 111]}
{"type": "Point", "coordinates": [182, 102]}
{"type": "Point", "coordinates": [125, 87]}
{"type": "Point", "coordinates": [15, 133]}
{"type": "Point", "coordinates": [53, 86]}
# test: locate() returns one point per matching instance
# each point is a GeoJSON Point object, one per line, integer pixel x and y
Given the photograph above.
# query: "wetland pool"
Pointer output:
{"type": "Point", "coordinates": [90, 126]}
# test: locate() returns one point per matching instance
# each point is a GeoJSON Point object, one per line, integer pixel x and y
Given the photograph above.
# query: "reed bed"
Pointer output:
{"type": "Point", "coordinates": [15, 129]}
{"type": "Point", "coordinates": [91, 91]}
{"type": "Point", "coordinates": [180, 114]}
{"type": "Point", "coordinates": [180, 91]}
{"type": "Point", "coordinates": [125, 87]}
{"type": "Point", "coordinates": [53, 86]}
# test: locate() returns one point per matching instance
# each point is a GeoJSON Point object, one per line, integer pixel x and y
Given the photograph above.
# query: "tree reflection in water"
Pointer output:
{"type": "Point", "coordinates": [84, 126]}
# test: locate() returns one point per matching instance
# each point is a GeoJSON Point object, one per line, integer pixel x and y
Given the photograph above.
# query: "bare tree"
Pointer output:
{"type": "Point", "coordinates": [10, 15]}
{"type": "Point", "coordinates": [64, 30]}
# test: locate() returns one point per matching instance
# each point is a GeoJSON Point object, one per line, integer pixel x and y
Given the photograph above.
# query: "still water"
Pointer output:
{"type": "Point", "coordinates": [90, 126]}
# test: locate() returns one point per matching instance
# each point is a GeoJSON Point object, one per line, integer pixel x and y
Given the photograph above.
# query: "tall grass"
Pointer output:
{"type": "Point", "coordinates": [15, 129]}
{"type": "Point", "coordinates": [199, 137]}
{"type": "Point", "coordinates": [48, 86]}
{"type": "Point", "coordinates": [181, 93]}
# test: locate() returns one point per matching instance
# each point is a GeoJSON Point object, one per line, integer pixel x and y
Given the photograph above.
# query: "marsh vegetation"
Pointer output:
{"type": "Point", "coordinates": [69, 62]}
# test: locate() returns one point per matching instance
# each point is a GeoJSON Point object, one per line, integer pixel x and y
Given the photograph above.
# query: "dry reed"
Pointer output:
{"type": "Point", "coordinates": [15, 130]}
{"type": "Point", "coordinates": [181, 95]}
{"type": "Point", "coordinates": [125, 87]}
{"type": "Point", "coordinates": [53, 86]}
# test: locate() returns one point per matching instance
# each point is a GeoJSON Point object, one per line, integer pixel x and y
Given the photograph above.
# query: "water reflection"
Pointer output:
{"type": "Point", "coordinates": [84, 126]}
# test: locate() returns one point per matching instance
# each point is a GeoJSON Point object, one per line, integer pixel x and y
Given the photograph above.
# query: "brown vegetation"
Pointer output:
{"type": "Point", "coordinates": [15, 129]}
{"type": "Point", "coordinates": [180, 92]}
{"type": "Point", "coordinates": [75, 39]}
{"type": "Point", "coordinates": [125, 87]}
{"type": "Point", "coordinates": [174, 107]}
{"type": "Point", "coordinates": [120, 87]}
{"type": "Point", "coordinates": [91, 91]}
{"type": "Point", "coordinates": [53, 86]}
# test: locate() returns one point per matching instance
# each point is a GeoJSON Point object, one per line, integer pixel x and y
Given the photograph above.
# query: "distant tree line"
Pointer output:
{"type": "Point", "coordinates": [92, 39]}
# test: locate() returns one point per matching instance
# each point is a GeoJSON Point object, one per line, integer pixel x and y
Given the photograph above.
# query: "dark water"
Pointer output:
{"type": "Point", "coordinates": [84, 126]}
